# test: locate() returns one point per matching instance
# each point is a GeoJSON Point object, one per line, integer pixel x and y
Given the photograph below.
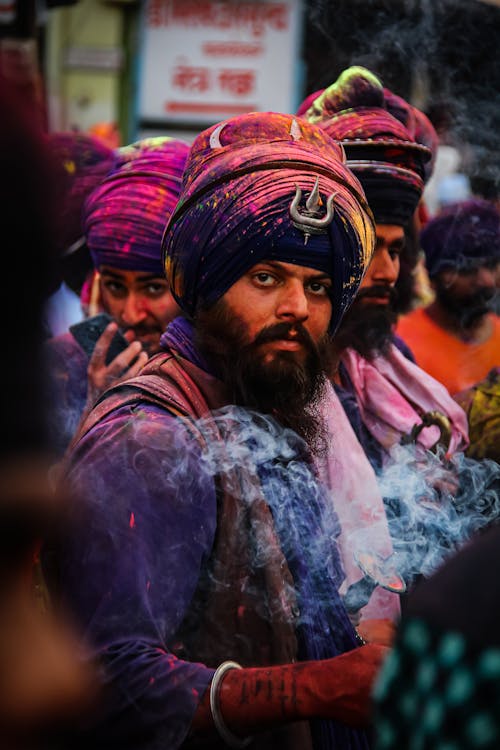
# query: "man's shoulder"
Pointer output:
{"type": "Point", "coordinates": [135, 430]}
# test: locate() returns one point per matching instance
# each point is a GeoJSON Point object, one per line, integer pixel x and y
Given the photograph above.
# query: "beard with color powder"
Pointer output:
{"type": "Point", "coordinates": [367, 326]}
{"type": "Point", "coordinates": [283, 386]}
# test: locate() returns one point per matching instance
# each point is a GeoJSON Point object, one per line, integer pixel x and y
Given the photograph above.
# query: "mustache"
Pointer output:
{"type": "Point", "coordinates": [287, 331]}
{"type": "Point", "coordinates": [378, 290]}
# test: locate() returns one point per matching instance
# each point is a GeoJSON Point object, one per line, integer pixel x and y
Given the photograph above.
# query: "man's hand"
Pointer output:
{"type": "Point", "coordinates": [126, 365]}
{"type": "Point", "coordinates": [381, 631]}
{"type": "Point", "coordinates": [341, 688]}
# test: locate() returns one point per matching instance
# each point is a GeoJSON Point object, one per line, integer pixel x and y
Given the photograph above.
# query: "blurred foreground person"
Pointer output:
{"type": "Point", "coordinates": [440, 687]}
{"type": "Point", "coordinates": [123, 220]}
{"type": "Point", "coordinates": [203, 566]}
{"type": "Point", "coordinates": [42, 683]}
{"type": "Point", "coordinates": [382, 391]}
{"type": "Point", "coordinates": [457, 337]}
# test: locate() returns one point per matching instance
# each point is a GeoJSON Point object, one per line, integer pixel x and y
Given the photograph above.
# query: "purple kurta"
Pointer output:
{"type": "Point", "coordinates": [66, 391]}
{"type": "Point", "coordinates": [143, 532]}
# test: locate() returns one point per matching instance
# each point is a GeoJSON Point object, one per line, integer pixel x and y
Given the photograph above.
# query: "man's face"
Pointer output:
{"type": "Point", "coordinates": [140, 302]}
{"type": "Point", "coordinates": [383, 271]}
{"type": "Point", "coordinates": [468, 294]}
{"type": "Point", "coordinates": [367, 325]}
{"type": "Point", "coordinates": [267, 337]}
{"type": "Point", "coordinates": [291, 300]}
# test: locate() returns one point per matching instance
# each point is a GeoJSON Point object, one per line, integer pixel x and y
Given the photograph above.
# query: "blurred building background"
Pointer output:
{"type": "Point", "coordinates": [124, 69]}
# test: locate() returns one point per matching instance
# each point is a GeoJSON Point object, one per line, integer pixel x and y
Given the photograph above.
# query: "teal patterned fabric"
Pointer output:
{"type": "Point", "coordinates": [435, 691]}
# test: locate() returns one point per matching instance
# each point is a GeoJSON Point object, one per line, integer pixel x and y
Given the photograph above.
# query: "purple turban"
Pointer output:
{"type": "Point", "coordinates": [462, 236]}
{"type": "Point", "coordinates": [244, 199]}
{"type": "Point", "coordinates": [85, 161]}
{"type": "Point", "coordinates": [380, 150]}
{"type": "Point", "coordinates": [124, 217]}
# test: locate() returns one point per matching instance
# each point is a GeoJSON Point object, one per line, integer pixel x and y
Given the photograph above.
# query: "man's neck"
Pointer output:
{"type": "Point", "coordinates": [478, 332]}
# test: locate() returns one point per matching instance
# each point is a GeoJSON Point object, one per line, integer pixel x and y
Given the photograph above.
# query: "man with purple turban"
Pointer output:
{"type": "Point", "coordinates": [457, 337]}
{"type": "Point", "coordinates": [202, 567]}
{"type": "Point", "coordinates": [383, 392]}
{"type": "Point", "coordinates": [122, 223]}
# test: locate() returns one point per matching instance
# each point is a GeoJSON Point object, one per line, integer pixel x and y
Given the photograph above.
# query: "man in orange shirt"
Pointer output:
{"type": "Point", "coordinates": [457, 337]}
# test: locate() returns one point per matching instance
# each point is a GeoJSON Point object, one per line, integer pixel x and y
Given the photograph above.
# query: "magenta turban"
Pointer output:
{"type": "Point", "coordinates": [243, 200]}
{"type": "Point", "coordinates": [124, 217]}
{"type": "Point", "coordinates": [85, 161]}
{"type": "Point", "coordinates": [380, 150]}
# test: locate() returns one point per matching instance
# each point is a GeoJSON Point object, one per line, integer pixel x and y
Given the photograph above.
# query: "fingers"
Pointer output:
{"type": "Point", "coordinates": [137, 366]}
{"type": "Point", "coordinates": [121, 364]}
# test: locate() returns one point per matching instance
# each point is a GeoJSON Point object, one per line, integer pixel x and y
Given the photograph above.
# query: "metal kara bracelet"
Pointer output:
{"type": "Point", "coordinates": [229, 738]}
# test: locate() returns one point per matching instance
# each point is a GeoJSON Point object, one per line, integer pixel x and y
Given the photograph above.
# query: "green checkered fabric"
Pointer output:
{"type": "Point", "coordinates": [435, 692]}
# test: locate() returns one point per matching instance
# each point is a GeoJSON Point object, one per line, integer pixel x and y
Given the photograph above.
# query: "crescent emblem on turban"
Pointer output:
{"type": "Point", "coordinates": [215, 136]}
{"type": "Point", "coordinates": [295, 130]}
{"type": "Point", "coordinates": [309, 220]}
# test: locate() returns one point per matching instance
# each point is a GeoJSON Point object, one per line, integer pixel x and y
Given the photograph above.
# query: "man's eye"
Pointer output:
{"type": "Point", "coordinates": [264, 278]}
{"type": "Point", "coordinates": [156, 290]}
{"type": "Point", "coordinates": [115, 288]}
{"type": "Point", "coordinates": [318, 288]}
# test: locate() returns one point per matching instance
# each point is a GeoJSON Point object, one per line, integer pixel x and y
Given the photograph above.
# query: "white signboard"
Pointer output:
{"type": "Point", "coordinates": [205, 60]}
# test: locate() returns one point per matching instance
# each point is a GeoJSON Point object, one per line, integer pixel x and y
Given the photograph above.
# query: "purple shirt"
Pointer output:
{"type": "Point", "coordinates": [142, 528]}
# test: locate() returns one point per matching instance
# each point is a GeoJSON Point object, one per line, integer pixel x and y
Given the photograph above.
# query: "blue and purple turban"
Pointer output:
{"type": "Point", "coordinates": [85, 161]}
{"type": "Point", "coordinates": [382, 153]}
{"type": "Point", "coordinates": [243, 201]}
{"type": "Point", "coordinates": [124, 218]}
{"type": "Point", "coordinates": [461, 236]}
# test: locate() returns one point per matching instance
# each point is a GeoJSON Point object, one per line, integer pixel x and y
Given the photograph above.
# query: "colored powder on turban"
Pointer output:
{"type": "Point", "coordinates": [125, 216]}
{"type": "Point", "coordinates": [85, 161]}
{"type": "Point", "coordinates": [462, 236]}
{"type": "Point", "coordinates": [380, 150]}
{"type": "Point", "coordinates": [418, 125]}
{"type": "Point", "coordinates": [235, 210]}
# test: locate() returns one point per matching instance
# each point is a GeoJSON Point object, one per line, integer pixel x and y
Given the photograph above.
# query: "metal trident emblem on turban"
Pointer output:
{"type": "Point", "coordinates": [309, 221]}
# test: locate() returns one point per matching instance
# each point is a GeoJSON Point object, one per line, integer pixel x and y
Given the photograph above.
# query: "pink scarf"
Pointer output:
{"type": "Point", "coordinates": [393, 394]}
{"type": "Point", "coordinates": [347, 473]}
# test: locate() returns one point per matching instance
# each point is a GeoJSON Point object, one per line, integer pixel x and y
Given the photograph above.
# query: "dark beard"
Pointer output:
{"type": "Point", "coordinates": [285, 388]}
{"type": "Point", "coordinates": [467, 311]}
{"type": "Point", "coordinates": [366, 327]}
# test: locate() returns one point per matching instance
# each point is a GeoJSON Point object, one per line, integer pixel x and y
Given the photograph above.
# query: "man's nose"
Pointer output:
{"type": "Point", "coordinates": [293, 304]}
{"type": "Point", "coordinates": [384, 267]}
{"type": "Point", "coordinates": [134, 310]}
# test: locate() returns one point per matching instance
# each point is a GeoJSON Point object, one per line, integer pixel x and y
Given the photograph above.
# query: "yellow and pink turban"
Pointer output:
{"type": "Point", "coordinates": [124, 218]}
{"type": "Point", "coordinates": [380, 150]}
{"type": "Point", "coordinates": [266, 186]}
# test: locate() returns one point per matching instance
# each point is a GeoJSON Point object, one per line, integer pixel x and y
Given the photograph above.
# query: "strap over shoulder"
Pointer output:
{"type": "Point", "coordinates": [162, 382]}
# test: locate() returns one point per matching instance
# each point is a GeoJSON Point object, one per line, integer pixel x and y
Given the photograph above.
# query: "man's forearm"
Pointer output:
{"type": "Point", "coordinates": [259, 698]}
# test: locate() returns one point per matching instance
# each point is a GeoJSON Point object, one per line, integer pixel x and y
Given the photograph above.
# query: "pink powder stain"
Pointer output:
{"type": "Point", "coordinates": [241, 611]}
{"type": "Point", "coordinates": [148, 585]}
{"type": "Point", "coordinates": [131, 523]}
{"type": "Point", "coordinates": [152, 680]}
